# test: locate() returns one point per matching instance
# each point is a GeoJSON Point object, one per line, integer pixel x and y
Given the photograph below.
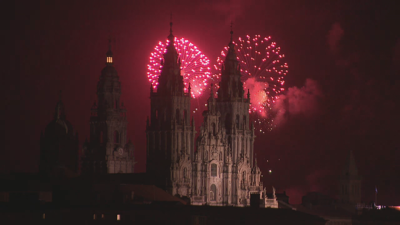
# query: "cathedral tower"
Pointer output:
{"type": "Point", "coordinates": [108, 150]}
{"type": "Point", "coordinates": [169, 133]}
{"type": "Point", "coordinates": [223, 169]}
{"type": "Point", "coordinates": [350, 182]}
{"type": "Point", "coordinates": [59, 147]}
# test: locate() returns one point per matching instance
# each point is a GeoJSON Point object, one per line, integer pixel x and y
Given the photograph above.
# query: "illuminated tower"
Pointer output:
{"type": "Point", "coordinates": [108, 150]}
{"type": "Point", "coordinates": [170, 136]}
{"type": "Point", "coordinates": [350, 182]}
{"type": "Point", "coordinates": [223, 169]}
{"type": "Point", "coordinates": [59, 147]}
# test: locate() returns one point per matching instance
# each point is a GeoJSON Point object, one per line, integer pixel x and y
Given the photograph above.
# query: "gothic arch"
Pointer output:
{"type": "Point", "coordinates": [214, 170]}
{"type": "Point", "coordinates": [213, 192]}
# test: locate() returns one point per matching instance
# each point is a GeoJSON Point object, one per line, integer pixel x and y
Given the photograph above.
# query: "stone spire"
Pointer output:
{"type": "Point", "coordinates": [170, 79]}
{"type": "Point", "coordinates": [59, 112]}
{"type": "Point", "coordinates": [350, 168]}
{"type": "Point", "coordinates": [231, 87]}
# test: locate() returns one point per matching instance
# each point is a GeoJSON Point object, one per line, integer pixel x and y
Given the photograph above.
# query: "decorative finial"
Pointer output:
{"type": "Point", "coordinates": [170, 25]}
{"type": "Point", "coordinates": [109, 53]}
{"type": "Point", "coordinates": [231, 32]}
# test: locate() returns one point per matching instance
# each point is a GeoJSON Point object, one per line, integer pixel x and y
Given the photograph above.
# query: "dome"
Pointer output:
{"type": "Point", "coordinates": [59, 127]}
{"type": "Point", "coordinates": [109, 71]}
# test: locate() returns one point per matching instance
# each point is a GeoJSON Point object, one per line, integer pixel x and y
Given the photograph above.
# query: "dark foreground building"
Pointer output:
{"type": "Point", "coordinates": [157, 213]}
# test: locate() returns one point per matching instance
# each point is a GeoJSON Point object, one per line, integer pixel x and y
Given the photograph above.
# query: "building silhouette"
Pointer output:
{"type": "Point", "coordinates": [59, 147]}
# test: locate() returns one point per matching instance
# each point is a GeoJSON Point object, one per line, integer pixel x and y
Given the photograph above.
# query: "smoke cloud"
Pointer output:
{"type": "Point", "coordinates": [230, 9]}
{"type": "Point", "coordinates": [334, 36]}
{"type": "Point", "coordinates": [257, 94]}
{"type": "Point", "coordinates": [298, 101]}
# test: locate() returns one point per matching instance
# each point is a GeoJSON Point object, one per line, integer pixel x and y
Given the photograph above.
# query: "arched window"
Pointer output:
{"type": "Point", "coordinates": [213, 128]}
{"type": "Point", "coordinates": [228, 121]}
{"type": "Point", "coordinates": [101, 137]}
{"type": "Point", "coordinates": [184, 173]}
{"type": "Point", "coordinates": [244, 176]}
{"type": "Point", "coordinates": [220, 156]}
{"type": "Point", "coordinates": [185, 115]}
{"type": "Point", "coordinates": [237, 121]}
{"type": "Point", "coordinates": [213, 192]}
{"type": "Point", "coordinates": [177, 115]}
{"type": "Point", "coordinates": [116, 137]}
{"type": "Point", "coordinates": [244, 122]}
{"type": "Point", "coordinates": [213, 170]}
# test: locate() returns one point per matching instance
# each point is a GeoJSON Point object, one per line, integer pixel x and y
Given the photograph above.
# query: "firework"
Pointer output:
{"type": "Point", "coordinates": [195, 66]}
{"type": "Point", "coordinates": [263, 68]}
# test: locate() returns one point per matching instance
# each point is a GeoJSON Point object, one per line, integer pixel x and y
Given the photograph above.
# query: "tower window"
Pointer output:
{"type": "Point", "coordinates": [237, 121]}
{"type": "Point", "coordinates": [244, 122]}
{"type": "Point", "coordinates": [228, 121]}
{"type": "Point", "coordinates": [213, 128]}
{"type": "Point", "coordinates": [184, 173]}
{"type": "Point", "coordinates": [109, 59]}
{"type": "Point", "coordinates": [213, 192]}
{"type": "Point", "coordinates": [177, 115]}
{"type": "Point", "coordinates": [213, 170]}
{"type": "Point", "coordinates": [116, 137]}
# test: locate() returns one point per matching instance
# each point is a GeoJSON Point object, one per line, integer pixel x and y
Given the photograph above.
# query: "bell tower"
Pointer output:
{"type": "Point", "coordinates": [108, 151]}
{"type": "Point", "coordinates": [350, 182]}
{"type": "Point", "coordinates": [169, 133]}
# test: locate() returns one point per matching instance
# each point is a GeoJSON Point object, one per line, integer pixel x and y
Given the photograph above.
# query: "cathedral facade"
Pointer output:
{"type": "Point", "coordinates": [222, 170]}
{"type": "Point", "coordinates": [108, 150]}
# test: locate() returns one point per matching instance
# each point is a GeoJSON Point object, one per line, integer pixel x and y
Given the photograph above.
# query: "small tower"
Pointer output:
{"type": "Point", "coordinates": [108, 151]}
{"type": "Point", "coordinates": [350, 182]}
{"type": "Point", "coordinates": [58, 147]}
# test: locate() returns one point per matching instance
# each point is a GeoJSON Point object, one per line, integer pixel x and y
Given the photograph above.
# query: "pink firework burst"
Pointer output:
{"type": "Point", "coordinates": [195, 66]}
{"type": "Point", "coordinates": [263, 68]}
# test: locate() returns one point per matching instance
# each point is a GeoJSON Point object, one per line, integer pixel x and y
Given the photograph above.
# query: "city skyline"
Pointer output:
{"type": "Point", "coordinates": [304, 154]}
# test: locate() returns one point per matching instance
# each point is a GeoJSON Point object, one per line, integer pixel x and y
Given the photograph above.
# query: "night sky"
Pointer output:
{"type": "Point", "coordinates": [342, 86]}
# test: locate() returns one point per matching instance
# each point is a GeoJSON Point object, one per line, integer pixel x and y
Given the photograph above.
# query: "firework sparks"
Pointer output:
{"type": "Point", "coordinates": [263, 68]}
{"type": "Point", "coordinates": [195, 66]}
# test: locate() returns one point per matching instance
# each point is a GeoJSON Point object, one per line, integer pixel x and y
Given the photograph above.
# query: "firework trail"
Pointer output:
{"type": "Point", "coordinates": [195, 66]}
{"type": "Point", "coordinates": [263, 68]}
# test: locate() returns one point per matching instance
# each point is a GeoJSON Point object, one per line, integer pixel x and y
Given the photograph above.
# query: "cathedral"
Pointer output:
{"type": "Point", "coordinates": [214, 167]}
{"type": "Point", "coordinates": [218, 168]}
